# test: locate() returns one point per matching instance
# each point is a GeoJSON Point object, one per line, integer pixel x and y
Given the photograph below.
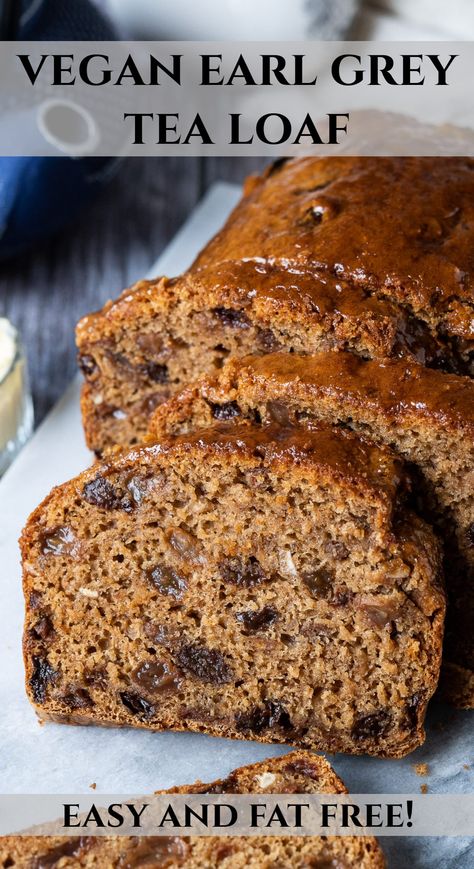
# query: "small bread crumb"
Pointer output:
{"type": "Point", "coordinates": [88, 592]}
{"type": "Point", "coordinates": [93, 786]}
{"type": "Point", "coordinates": [265, 779]}
{"type": "Point", "coordinates": [421, 769]}
{"type": "Point", "coordinates": [466, 766]}
{"type": "Point", "coordinates": [424, 789]}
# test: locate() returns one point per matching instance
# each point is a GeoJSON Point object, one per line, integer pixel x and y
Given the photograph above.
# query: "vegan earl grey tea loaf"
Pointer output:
{"type": "Point", "coordinates": [238, 582]}
{"type": "Point", "coordinates": [373, 255]}
{"type": "Point", "coordinates": [298, 772]}
{"type": "Point", "coordinates": [427, 416]}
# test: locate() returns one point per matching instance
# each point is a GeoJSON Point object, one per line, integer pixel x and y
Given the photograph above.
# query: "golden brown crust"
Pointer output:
{"type": "Point", "coordinates": [321, 211]}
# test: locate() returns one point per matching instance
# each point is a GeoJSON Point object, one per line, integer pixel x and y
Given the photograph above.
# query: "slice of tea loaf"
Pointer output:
{"type": "Point", "coordinates": [297, 772]}
{"type": "Point", "coordinates": [157, 337]}
{"type": "Point", "coordinates": [426, 416]}
{"type": "Point", "coordinates": [305, 263]}
{"type": "Point", "coordinates": [245, 582]}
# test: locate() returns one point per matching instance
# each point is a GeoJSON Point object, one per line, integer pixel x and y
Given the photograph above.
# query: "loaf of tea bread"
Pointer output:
{"type": "Point", "coordinates": [374, 255]}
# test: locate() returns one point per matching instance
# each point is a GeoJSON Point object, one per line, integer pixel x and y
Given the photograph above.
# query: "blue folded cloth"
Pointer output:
{"type": "Point", "coordinates": [41, 195]}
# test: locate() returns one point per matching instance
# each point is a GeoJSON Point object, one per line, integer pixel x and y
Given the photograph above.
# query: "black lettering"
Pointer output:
{"type": "Point", "coordinates": [28, 67]}
{"type": "Point", "coordinates": [165, 126]}
{"type": "Point", "coordinates": [207, 69]}
{"type": "Point", "coordinates": [174, 73]}
{"type": "Point", "coordinates": [136, 815]}
{"type": "Point", "coordinates": [84, 70]}
{"type": "Point", "coordinates": [190, 813]}
{"type": "Point", "coordinates": [198, 129]}
{"type": "Point", "coordinates": [408, 69]}
{"type": "Point", "coordinates": [299, 71]}
{"type": "Point", "coordinates": [170, 817]}
{"type": "Point", "coordinates": [394, 813]}
{"type": "Point", "coordinates": [350, 816]}
{"type": "Point", "coordinates": [59, 69]}
{"type": "Point", "coordinates": [257, 812]}
{"type": "Point", "coordinates": [138, 125]}
{"type": "Point", "coordinates": [298, 807]}
{"type": "Point", "coordinates": [276, 72]}
{"type": "Point", "coordinates": [241, 70]}
{"type": "Point", "coordinates": [69, 814]}
{"type": "Point", "coordinates": [328, 814]}
{"type": "Point", "coordinates": [235, 131]}
{"type": "Point", "coordinates": [130, 70]}
{"type": "Point", "coordinates": [93, 815]}
{"type": "Point", "coordinates": [440, 68]}
{"type": "Point", "coordinates": [308, 129]}
{"type": "Point", "coordinates": [380, 65]}
{"type": "Point", "coordinates": [218, 809]}
{"type": "Point", "coordinates": [373, 815]}
{"type": "Point", "coordinates": [335, 127]}
{"type": "Point", "coordinates": [112, 810]}
{"type": "Point", "coordinates": [336, 70]}
{"type": "Point", "coordinates": [260, 129]}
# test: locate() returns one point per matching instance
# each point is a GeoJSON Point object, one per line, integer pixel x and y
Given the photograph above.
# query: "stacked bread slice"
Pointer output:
{"type": "Point", "coordinates": [262, 564]}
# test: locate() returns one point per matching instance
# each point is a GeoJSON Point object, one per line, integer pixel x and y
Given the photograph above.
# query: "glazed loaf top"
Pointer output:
{"type": "Point", "coordinates": [401, 227]}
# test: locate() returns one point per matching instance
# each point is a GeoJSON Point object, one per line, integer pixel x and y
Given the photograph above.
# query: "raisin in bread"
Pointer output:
{"type": "Point", "coordinates": [427, 416]}
{"type": "Point", "coordinates": [198, 584]}
{"type": "Point", "coordinates": [297, 772]}
{"type": "Point", "coordinates": [304, 264]}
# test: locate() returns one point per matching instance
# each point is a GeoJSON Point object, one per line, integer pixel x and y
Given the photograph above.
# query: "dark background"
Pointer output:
{"type": "Point", "coordinates": [45, 291]}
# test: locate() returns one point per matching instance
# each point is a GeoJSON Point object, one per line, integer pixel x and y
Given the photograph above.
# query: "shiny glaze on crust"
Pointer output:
{"type": "Point", "coordinates": [396, 387]}
{"type": "Point", "coordinates": [404, 227]}
{"type": "Point", "coordinates": [333, 450]}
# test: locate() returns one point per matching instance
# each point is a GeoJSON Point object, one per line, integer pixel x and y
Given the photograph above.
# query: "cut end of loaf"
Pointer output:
{"type": "Point", "coordinates": [252, 592]}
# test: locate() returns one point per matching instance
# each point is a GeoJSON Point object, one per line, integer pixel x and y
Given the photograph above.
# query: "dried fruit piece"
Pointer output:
{"type": "Point", "coordinates": [271, 714]}
{"type": "Point", "coordinates": [209, 665]}
{"type": "Point", "coordinates": [43, 629]}
{"type": "Point", "coordinates": [185, 545]}
{"type": "Point", "coordinates": [320, 582]}
{"type": "Point", "coordinates": [100, 493]}
{"type": "Point", "coordinates": [137, 704]}
{"type": "Point", "coordinates": [87, 365]}
{"type": "Point", "coordinates": [243, 573]}
{"type": "Point", "coordinates": [278, 412]}
{"type": "Point", "coordinates": [226, 411]}
{"type": "Point", "coordinates": [256, 620]}
{"type": "Point", "coordinates": [231, 317]}
{"type": "Point", "coordinates": [167, 581]}
{"type": "Point", "coordinates": [69, 848]}
{"type": "Point", "coordinates": [157, 373]}
{"type": "Point", "coordinates": [153, 852]}
{"type": "Point", "coordinates": [59, 541]}
{"type": "Point", "coordinates": [372, 726]}
{"type": "Point", "coordinates": [43, 675]}
{"type": "Point", "coordinates": [304, 767]}
{"type": "Point", "coordinates": [156, 676]}
{"type": "Point", "coordinates": [77, 698]}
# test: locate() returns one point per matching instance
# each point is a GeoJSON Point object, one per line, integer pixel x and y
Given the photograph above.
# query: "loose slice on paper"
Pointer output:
{"type": "Point", "coordinates": [427, 416]}
{"type": "Point", "coordinates": [297, 772]}
{"type": "Point", "coordinates": [250, 582]}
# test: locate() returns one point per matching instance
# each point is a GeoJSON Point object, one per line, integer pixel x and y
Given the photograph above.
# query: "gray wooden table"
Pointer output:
{"type": "Point", "coordinates": [45, 291]}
